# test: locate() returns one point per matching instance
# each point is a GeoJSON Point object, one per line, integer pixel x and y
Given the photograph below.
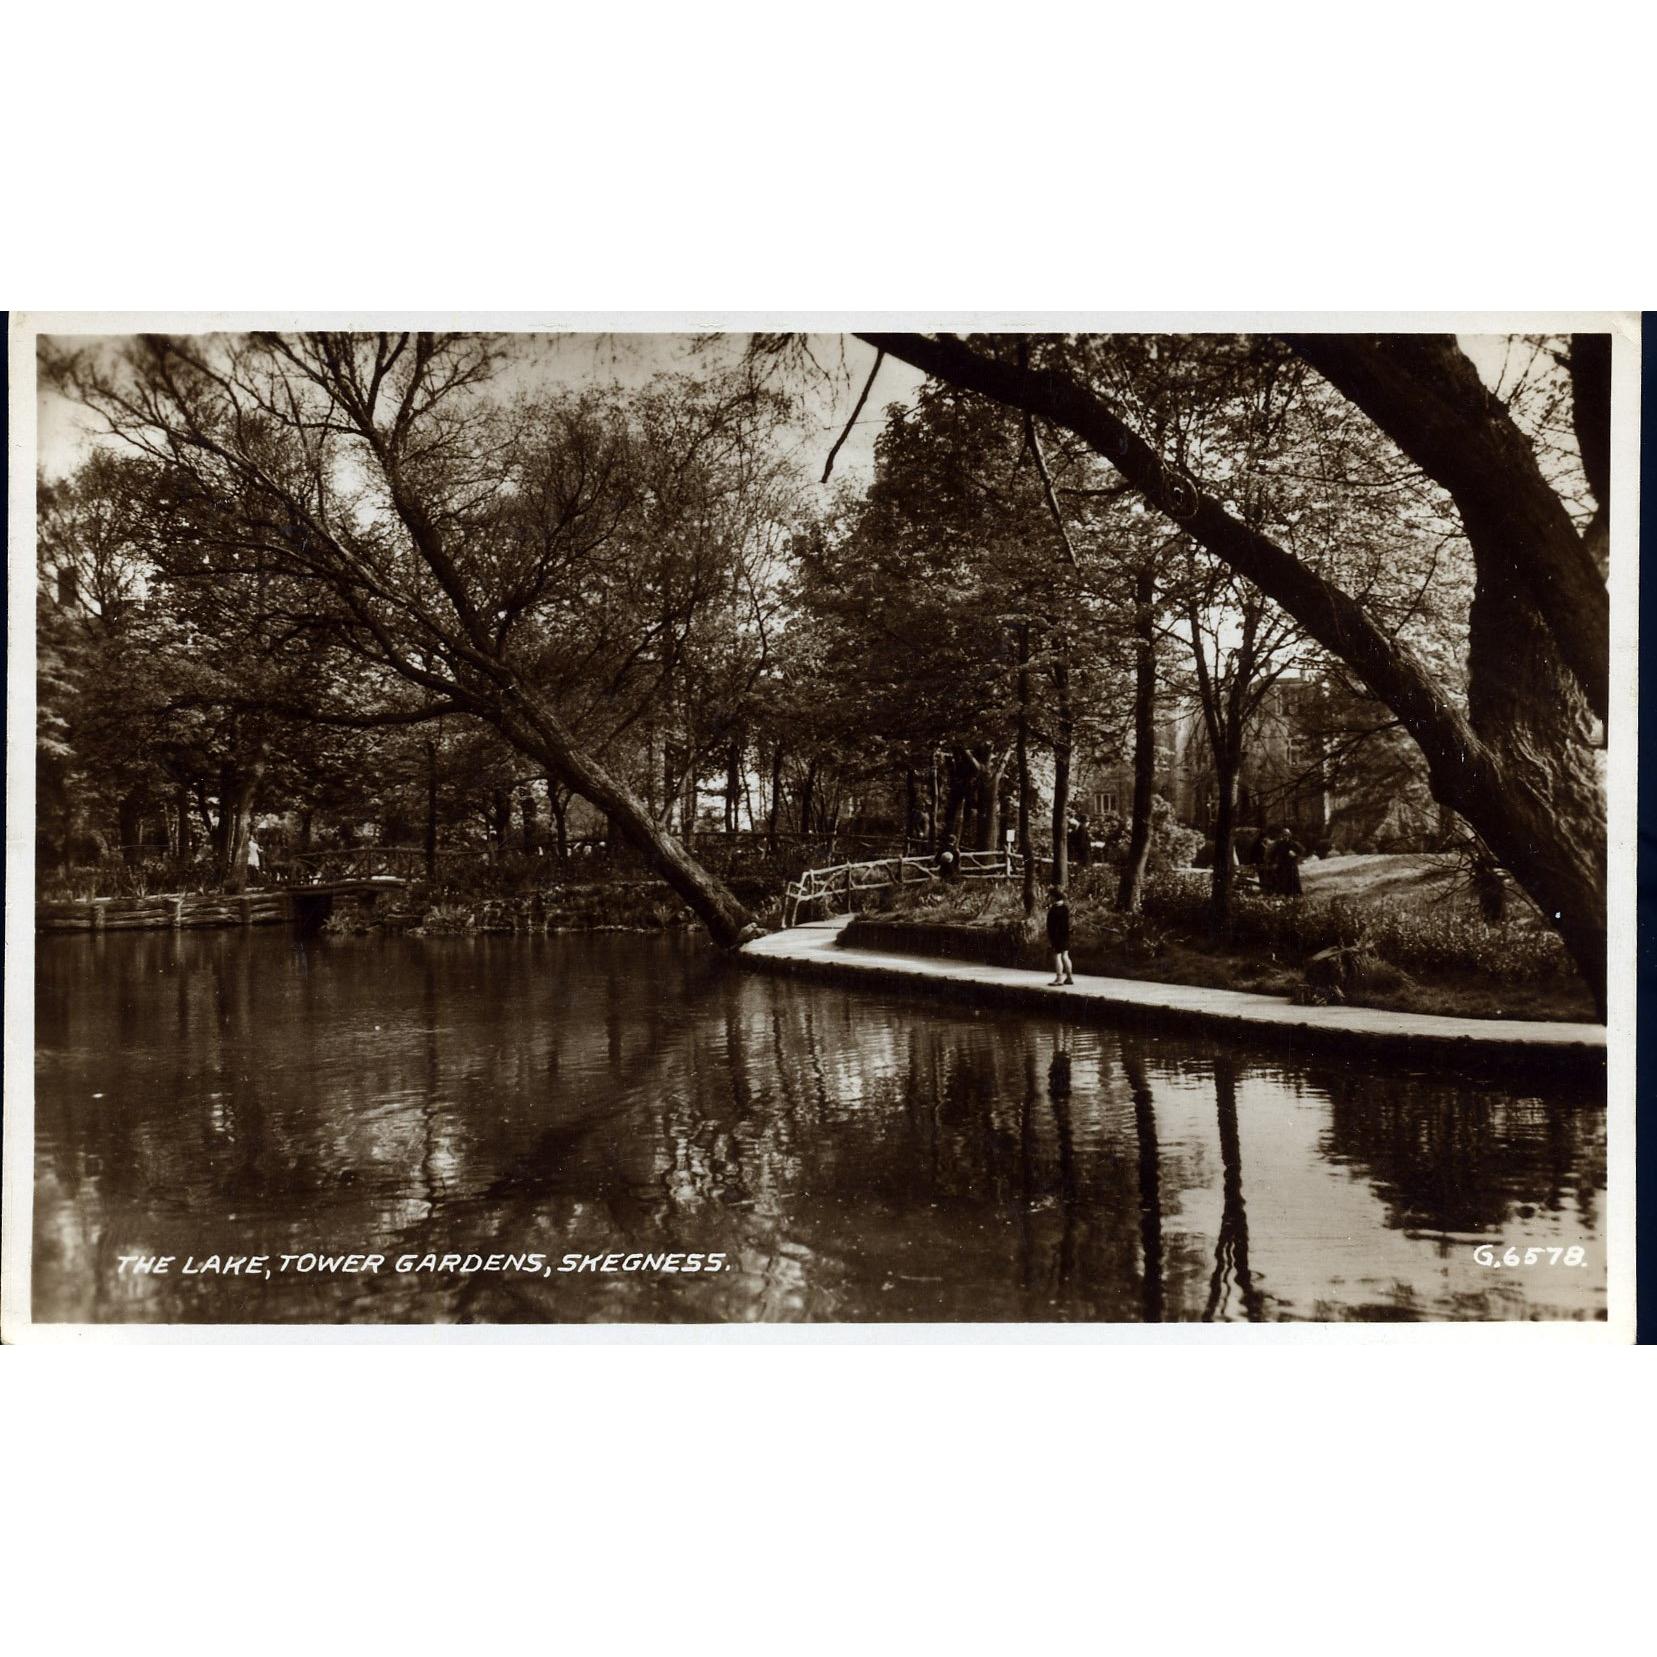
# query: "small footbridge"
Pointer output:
{"type": "Point", "coordinates": [818, 892]}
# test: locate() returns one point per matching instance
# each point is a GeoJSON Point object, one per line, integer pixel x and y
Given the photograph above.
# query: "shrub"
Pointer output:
{"type": "Point", "coordinates": [1173, 843]}
{"type": "Point", "coordinates": [1352, 969]}
{"type": "Point", "coordinates": [1404, 934]}
{"type": "Point", "coordinates": [443, 920]}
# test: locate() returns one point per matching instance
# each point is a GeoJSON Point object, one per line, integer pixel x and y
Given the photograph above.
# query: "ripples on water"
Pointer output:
{"type": "Point", "coordinates": [856, 1156]}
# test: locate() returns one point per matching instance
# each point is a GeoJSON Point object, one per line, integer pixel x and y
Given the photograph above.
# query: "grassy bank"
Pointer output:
{"type": "Point", "coordinates": [1402, 933]}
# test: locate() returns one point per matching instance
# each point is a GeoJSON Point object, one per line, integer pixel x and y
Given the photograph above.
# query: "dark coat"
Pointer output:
{"type": "Point", "coordinates": [1285, 869]}
{"type": "Point", "coordinates": [1058, 925]}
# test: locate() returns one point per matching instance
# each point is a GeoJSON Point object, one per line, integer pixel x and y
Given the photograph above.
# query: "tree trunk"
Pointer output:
{"type": "Point", "coordinates": [432, 804]}
{"type": "Point", "coordinates": [1425, 394]}
{"type": "Point", "coordinates": [1549, 832]}
{"type": "Point", "coordinates": [1063, 740]}
{"type": "Point", "coordinates": [500, 819]}
{"type": "Point", "coordinates": [687, 810]}
{"type": "Point", "coordinates": [209, 828]}
{"type": "Point", "coordinates": [129, 827]}
{"type": "Point", "coordinates": [558, 804]}
{"type": "Point", "coordinates": [222, 824]}
{"type": "Point", "coordinates": [1130, 891]}
{"type": "Point", "coordinates": [989, 804]}
{"type": "Point", "coordinates": [776, 797]}
{"type": "Point", "coordinates": [239, 824]}
{"type": "Point", "coordinates": [1225, 831]}
{"type": "Point", "coordinates": [526, 811]}
{"type": "Point", "coordinates": [1024, 769]}
{"type": "Point", "coordinates": [806, 790]}
{"type": "Point", "coordinates": [733, 786]}
{"type": "Point", "coordinates": [186, 833]}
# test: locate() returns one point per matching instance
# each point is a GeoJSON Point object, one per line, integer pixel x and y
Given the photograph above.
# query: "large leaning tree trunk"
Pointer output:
{"type": "Point", "coordinates": [536, 730]}
{"type": "Point", "coordinates": [1426, 395]}
{"type": "Point", "coordinates": [1536, 805]}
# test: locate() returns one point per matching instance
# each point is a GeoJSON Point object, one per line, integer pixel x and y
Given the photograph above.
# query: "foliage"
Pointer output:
{"type": "Point", "coordinates": [1443, 937]}
{"type": "Point", "coordinates": [1174, 845]}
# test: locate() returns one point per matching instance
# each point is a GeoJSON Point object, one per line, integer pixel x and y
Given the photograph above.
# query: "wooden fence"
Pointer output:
{"type": "Point", "coordinates": [265, 906]}
{"type": "Point", "coordinates": [260, 908]}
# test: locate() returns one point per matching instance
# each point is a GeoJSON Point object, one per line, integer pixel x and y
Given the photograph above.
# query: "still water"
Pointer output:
{"type": "Point", "coordinates": [854, 1156]}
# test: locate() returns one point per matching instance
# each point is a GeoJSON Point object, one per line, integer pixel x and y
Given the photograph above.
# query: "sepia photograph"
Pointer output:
{"type": "Point", "coordinates": [987, 827]}
{"type": "Point", "coordinates": [823, 830]}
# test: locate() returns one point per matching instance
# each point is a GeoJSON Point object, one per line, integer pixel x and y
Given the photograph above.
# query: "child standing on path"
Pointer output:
{"type": "Point", "coordinates": [1058, 935]}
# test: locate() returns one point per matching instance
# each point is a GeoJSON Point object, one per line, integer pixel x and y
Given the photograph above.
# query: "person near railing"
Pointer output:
{"type": "Point", "coordinates": [949, 861]}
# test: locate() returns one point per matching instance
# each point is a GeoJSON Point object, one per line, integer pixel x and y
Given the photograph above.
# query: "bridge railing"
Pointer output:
{"type": "Point", "coordinates": [841, 881]}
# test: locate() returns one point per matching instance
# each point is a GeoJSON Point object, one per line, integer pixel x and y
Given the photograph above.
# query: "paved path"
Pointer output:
{"type": "Point", "coordinates": [813, 950]}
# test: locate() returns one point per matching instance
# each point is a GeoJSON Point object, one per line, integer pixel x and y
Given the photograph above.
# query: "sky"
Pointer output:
{"type": "Point", "coordinates": [630, 360]}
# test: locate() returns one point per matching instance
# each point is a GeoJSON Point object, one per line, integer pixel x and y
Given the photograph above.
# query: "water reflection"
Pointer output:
{"type": "Point", "coordinates": [1150, 1179]}
{"type": "Point", "coordinates": [855, 1157]}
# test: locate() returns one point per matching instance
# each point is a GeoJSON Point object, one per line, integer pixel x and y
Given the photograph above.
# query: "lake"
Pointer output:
{"type": "Point", "coordinates": [851, 1155]}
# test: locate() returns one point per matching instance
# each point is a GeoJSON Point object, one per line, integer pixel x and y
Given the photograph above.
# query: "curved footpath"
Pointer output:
{"type": "Point", "coordinates": [813, 950]}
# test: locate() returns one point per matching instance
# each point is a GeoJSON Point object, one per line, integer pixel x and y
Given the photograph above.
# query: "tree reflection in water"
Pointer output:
{"type": "Point", "coordinates": [1231, 1250]}
{"type": "Point", "coordinates": [1150, 1178]}
{"type": "Point", "coordinates": [856, 1157]}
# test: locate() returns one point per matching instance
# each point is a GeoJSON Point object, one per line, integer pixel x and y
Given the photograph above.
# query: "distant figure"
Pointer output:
{"type": "Point", "coordinates": [1058, 936]}
{"type": "Point", "coordinates": [1083, 854]}
{"type": "Point", "coordinates": [254, 860]}
{"type": "Point", "coordinates": [949, 861]}
{"type": "Point", "coordinates": [1285, 866]}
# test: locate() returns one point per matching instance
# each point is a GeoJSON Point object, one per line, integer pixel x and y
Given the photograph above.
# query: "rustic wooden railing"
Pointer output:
{"type": "Point", "coordinates": [262, 906]}
{"type": "Point", "coordinates": [842, 881]}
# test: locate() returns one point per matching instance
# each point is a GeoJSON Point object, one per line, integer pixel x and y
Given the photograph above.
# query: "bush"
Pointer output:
{"type": "Point", "coordinates": [444, 920]}
{"type": "Point", "coordinates": [116, 879]}
{"type": "Point", "coordinates": [1404, 934]}
{"type": "Point", "coordinates": [1173, 843]}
